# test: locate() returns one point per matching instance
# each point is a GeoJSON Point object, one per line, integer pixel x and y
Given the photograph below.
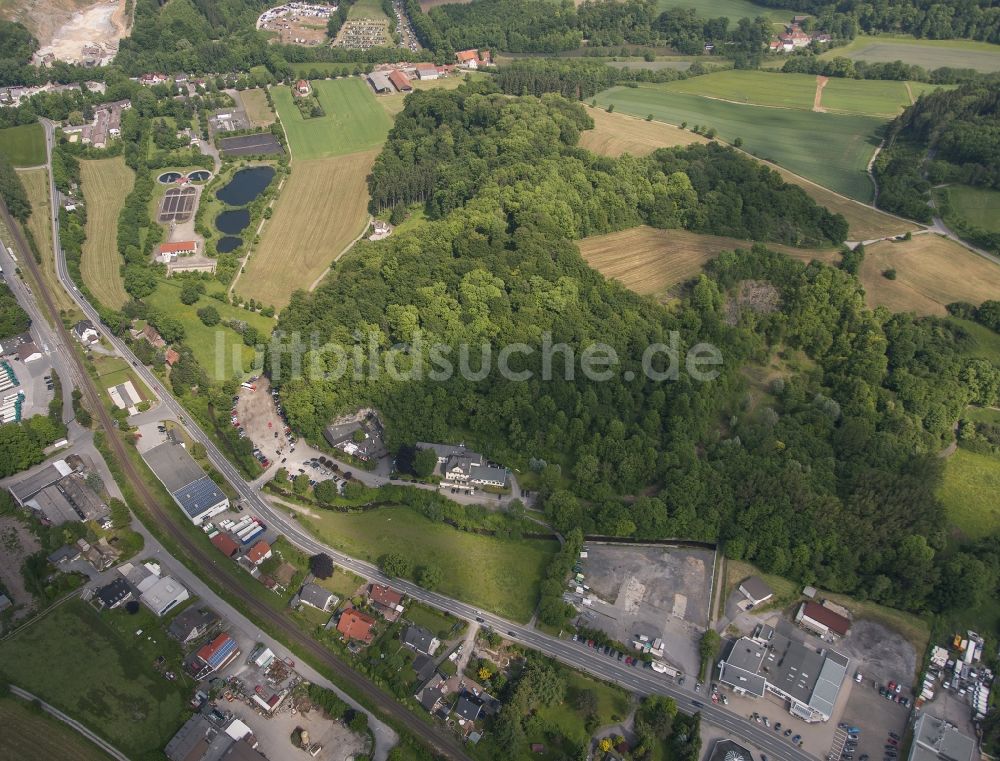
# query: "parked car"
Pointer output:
{"type": "Point", "coordinates": [788, 733]}
{"type": "Point", "coordinates": [893, 735]}
{"type": "Point", "coordinates": [797, 739]}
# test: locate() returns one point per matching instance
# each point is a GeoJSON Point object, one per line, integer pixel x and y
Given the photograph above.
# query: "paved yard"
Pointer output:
{"type": "Point", "coordinates": [649, 590]}
{"type": "Point", "coordinates": [883, 654]}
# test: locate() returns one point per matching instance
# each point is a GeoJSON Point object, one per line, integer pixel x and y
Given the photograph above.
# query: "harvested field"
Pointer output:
{"type": "Point", "coordinates": [257, 110]}
{"type": "Point", "coordinates": [36, 185]}
{"type": "Point", "coordinates": [651, 261]}
{"type": "Point", "coordinates": [106, 182]}
{"type": "Point", "coordinates": [615, 134]}
{"type": "Point", "coordinates": [40, 737]}
{"type": "Point", "coordinates": [931, 272]}
{"type": "Point", "coordinates": [321, 209]}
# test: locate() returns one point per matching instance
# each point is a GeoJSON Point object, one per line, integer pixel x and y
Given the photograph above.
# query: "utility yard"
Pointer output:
{"type": "Point", "coordinates": [653, 590]}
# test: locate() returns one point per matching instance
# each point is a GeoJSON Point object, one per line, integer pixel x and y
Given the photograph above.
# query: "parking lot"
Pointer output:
{"type": "Point", "coordinates": [875, 717]}
{"type": "Point", "coordinates": [656, 591]}
{"type": "Point", "coordinates": [257, 414]}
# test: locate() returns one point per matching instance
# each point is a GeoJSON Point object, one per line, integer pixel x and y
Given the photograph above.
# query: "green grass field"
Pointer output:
{"type": "Point", "coordinates": [931, 54]}
{"type": "Point", "coordinates": [105, 184]}
{"type": "Point", "coordinates": [985, 343]}
{"type": "Point", "coordinates": [971, 483]}
{"type": "Point", "coordinates": [110, 371]}
{"type": "Point", "coordinates": [36, 736]}
{"type": "Point", "coordinates": [502, 575]}
{"type": "Point", "coordinates": [734, 10]}
{"type": "Point", "coordinates": [832, 150]}
{"type": "Point", "coordinates": [23, 145]}
{"type": "Point", "coordinates": [92, 666]}
{"type": "Point", "coordinates": [367, 9]}
{"type": "Point", "coordinates": [354, 120]}
{"type": "Point", "coordinates": [852, 96]}
{"type": "Point", "coordinates": [977, 206]}
{"type": "Point", "coordinates": [214, 347]}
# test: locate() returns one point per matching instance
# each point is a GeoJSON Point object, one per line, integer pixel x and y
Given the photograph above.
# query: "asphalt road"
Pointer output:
{"type": "Point", "coordinates": [642, 681]}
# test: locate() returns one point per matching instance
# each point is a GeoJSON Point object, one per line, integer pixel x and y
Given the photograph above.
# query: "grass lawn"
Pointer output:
{"type": "Point", "coordinates": [611, 702]}
{"type": "Point", "coordinates": [36, 736]}
{"type": "Point", "coordinates": [756, 87]}
{"type": "Point", "coordinates": [931, 54]}
{"type": "Point", "coordinates": [982, 414]}
{"type": "Point", "coordinates": [255, 104]}
{"type": "Point", "coordinates": [977, 206]}
{"type": "Point", "coordinates": [871, 96]}
{"type": "Point", "coordinates": [105, 184]}
{"type": "Point", "coordinates": [367, 9]}
{"type": "Point", "coordinates": [218, 349]}
{"type": "Point", "coordinates": [23, 145]}
{"type": "Point", "coordinates": [734, 10]}
{"type": "Point", "coordinates": [785, 591]}
{"type": "Point", "coordinates": [36, 185]}
{"type": "Point", "coordinates": [986, 343]}
{"type": "Point", "coordinates": [342, 583]}
{"type": "Point", "coordinates": [502, 575]}
{"type": "Point", "coordinates": [354, 121]}
{"type": "Point", "coordinates": [93, 667]}
{"type": "Point", "coordinates": [432, 620]}
{"type": "Point", "coordinates": [971, 484]}
{"type": "Point", "coordinates": [832, 150]}
{"type": "Point", "coordinates": [110, 371]}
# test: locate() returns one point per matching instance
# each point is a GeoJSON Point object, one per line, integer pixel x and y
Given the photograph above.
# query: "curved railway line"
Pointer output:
{"type": "Point", "coordinates": [348, 678]}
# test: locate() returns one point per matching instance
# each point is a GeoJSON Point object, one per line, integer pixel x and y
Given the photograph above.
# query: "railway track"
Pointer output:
{"type": "Point", "coordinates": [348, 679]}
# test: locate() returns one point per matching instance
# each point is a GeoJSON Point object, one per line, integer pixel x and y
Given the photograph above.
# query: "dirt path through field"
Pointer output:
{"type": "Point", "coordinates": [818, 97]}
{"type": "Point", "coordinates": [909, 93]}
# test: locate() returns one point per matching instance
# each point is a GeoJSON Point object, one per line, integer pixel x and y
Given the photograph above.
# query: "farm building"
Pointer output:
{"type": "Point", "coordinates": [808, 679]}
{"type": "Point", "coordinates": [755, 590]}
{"type": "Point", "coordinates": [164, 595]}
{"type": "Point", "coordinates": [380, 83]}
{"type": "Point", "coordinates": [821, 620]}
{"type": "Point", "coordinates": [195, 493]}
{"type": "Point", "coordinates": [427, 72]}
{"type": "Point", "coordinates": [400, 81]}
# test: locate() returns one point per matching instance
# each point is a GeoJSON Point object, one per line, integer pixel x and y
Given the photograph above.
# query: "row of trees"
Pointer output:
{"type": "Point", "coordinates": [807, 62]}
{"type": "Point", "coordinates": [13, 319]}
{"type": "Point", "coordinates": [12, 191]}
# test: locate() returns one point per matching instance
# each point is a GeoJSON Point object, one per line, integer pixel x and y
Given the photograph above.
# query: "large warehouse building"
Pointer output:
{"type": "Point", "coordinates": [195, 493]}
{"type": "Point", "coordinates": [808, 679]}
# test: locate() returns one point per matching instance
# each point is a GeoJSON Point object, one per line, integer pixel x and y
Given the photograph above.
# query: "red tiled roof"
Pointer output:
{"type": "Point", "coordinates": [400, 80]}
{"type": "Point", "coordinates": [259, 551]}
{"type": "Point", "coordinates": [832, 621]}
{"type": "Point", "coordinates": [384, 595]}
{"type": "Point", "coordinates": [225, 544]}
{"type": "Point", "coordinates": [171, 356]}
{"type": "Point", "coordinates": [467, 55]}
{"type": "Point", "coordinates": [178, 247]}
{"type": "Point", "coordinates": [354, 624]}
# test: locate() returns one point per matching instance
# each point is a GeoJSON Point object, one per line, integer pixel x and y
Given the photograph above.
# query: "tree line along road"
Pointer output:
{"type": "Point", "coordinates": [569, 653]}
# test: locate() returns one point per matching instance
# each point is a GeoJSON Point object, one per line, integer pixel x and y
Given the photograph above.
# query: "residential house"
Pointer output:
{"type": "Point", "coordinates": [315, 596]}
{"type": "Point", "coordinates": [387, 601]}
{"type": "Point", "coordinates": [463, 466]}
{"type": "Point", "coordinates": [302, 87]}
{"type": "Point", "coordinates": [821, 620]}
{"type": "Point", "coordinates": [355, 625]}
{"type": "Point", "coordinates": [155, 339]}
{"type": "Point", "coordinates": [421, 640]}
{"type": "Point", "coordinates": [100, 554]}
{"type": "Point", "coordinates": [192, 624]}
{"type": "Point", "coordinates": [171, 356]}
{"type": "Point", "coordinates": [259, 552]}
{"type": "Point", "coordinates": [468, 706]}
{"type": "Point", "coordinates": [473, 59]}
{"type": "Point", "coordinates": [65, 554]}
{"type": "Point", "coordinates": [85, 332]}
{"type": "Point", "coordinates": [755, 590]}
{"type": "Point", "coordinates": [116, 593]}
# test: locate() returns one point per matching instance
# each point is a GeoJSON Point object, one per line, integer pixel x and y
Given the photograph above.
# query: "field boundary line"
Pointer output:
{"type": "Point", "coordinates": [107, 747]}
{"type": "Point", "coordinates": [41, 614]}
{"type": "Point", "coordinates": [818, 97]}
{"type": "Point", "coordinates": [346, 248]}
{"type": "Point", "coordinates": [260, 229]}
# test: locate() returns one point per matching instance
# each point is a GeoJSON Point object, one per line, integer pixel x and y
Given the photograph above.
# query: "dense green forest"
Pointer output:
{"type": "Point", "coordinates": [946, 136]}
{"type": "Point", "coordinates": [829, 479]}
{"type": "Point", "coordinates": [12, 191]}
{"type": "Point", "coordinates": [973, 19]}
{"type": "Point", "coordinates": [13, 319]}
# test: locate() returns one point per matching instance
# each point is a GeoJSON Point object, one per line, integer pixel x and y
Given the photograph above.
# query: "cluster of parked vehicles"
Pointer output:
{"type": "Point", "coordinates": [892, 692]}
{"type": "Point", "coordinates": [611, 652]}
{"type": "Point", "coordinates": [786, 732]}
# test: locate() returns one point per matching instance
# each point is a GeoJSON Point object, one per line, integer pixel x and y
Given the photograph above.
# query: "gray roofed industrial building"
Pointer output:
{"type": "Point", "coordinates": [379, 81]}
{"type": "Point", "coordinates": [69, 499]}
{"type": "Point", "coordinates": [936, 740]}
{"type": "Point", "coordinates": [51, 503]}
{"type": "Point", "coordinates": [755, 590]}
{"type": "Point", "coordinates": [173, 465]}
{"type": "Point", "coordinates": [338, 434]}
{"type": "Point", "coordinates": [28, 487]}
{"type": "Point", "coordinates": [768, 661]}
